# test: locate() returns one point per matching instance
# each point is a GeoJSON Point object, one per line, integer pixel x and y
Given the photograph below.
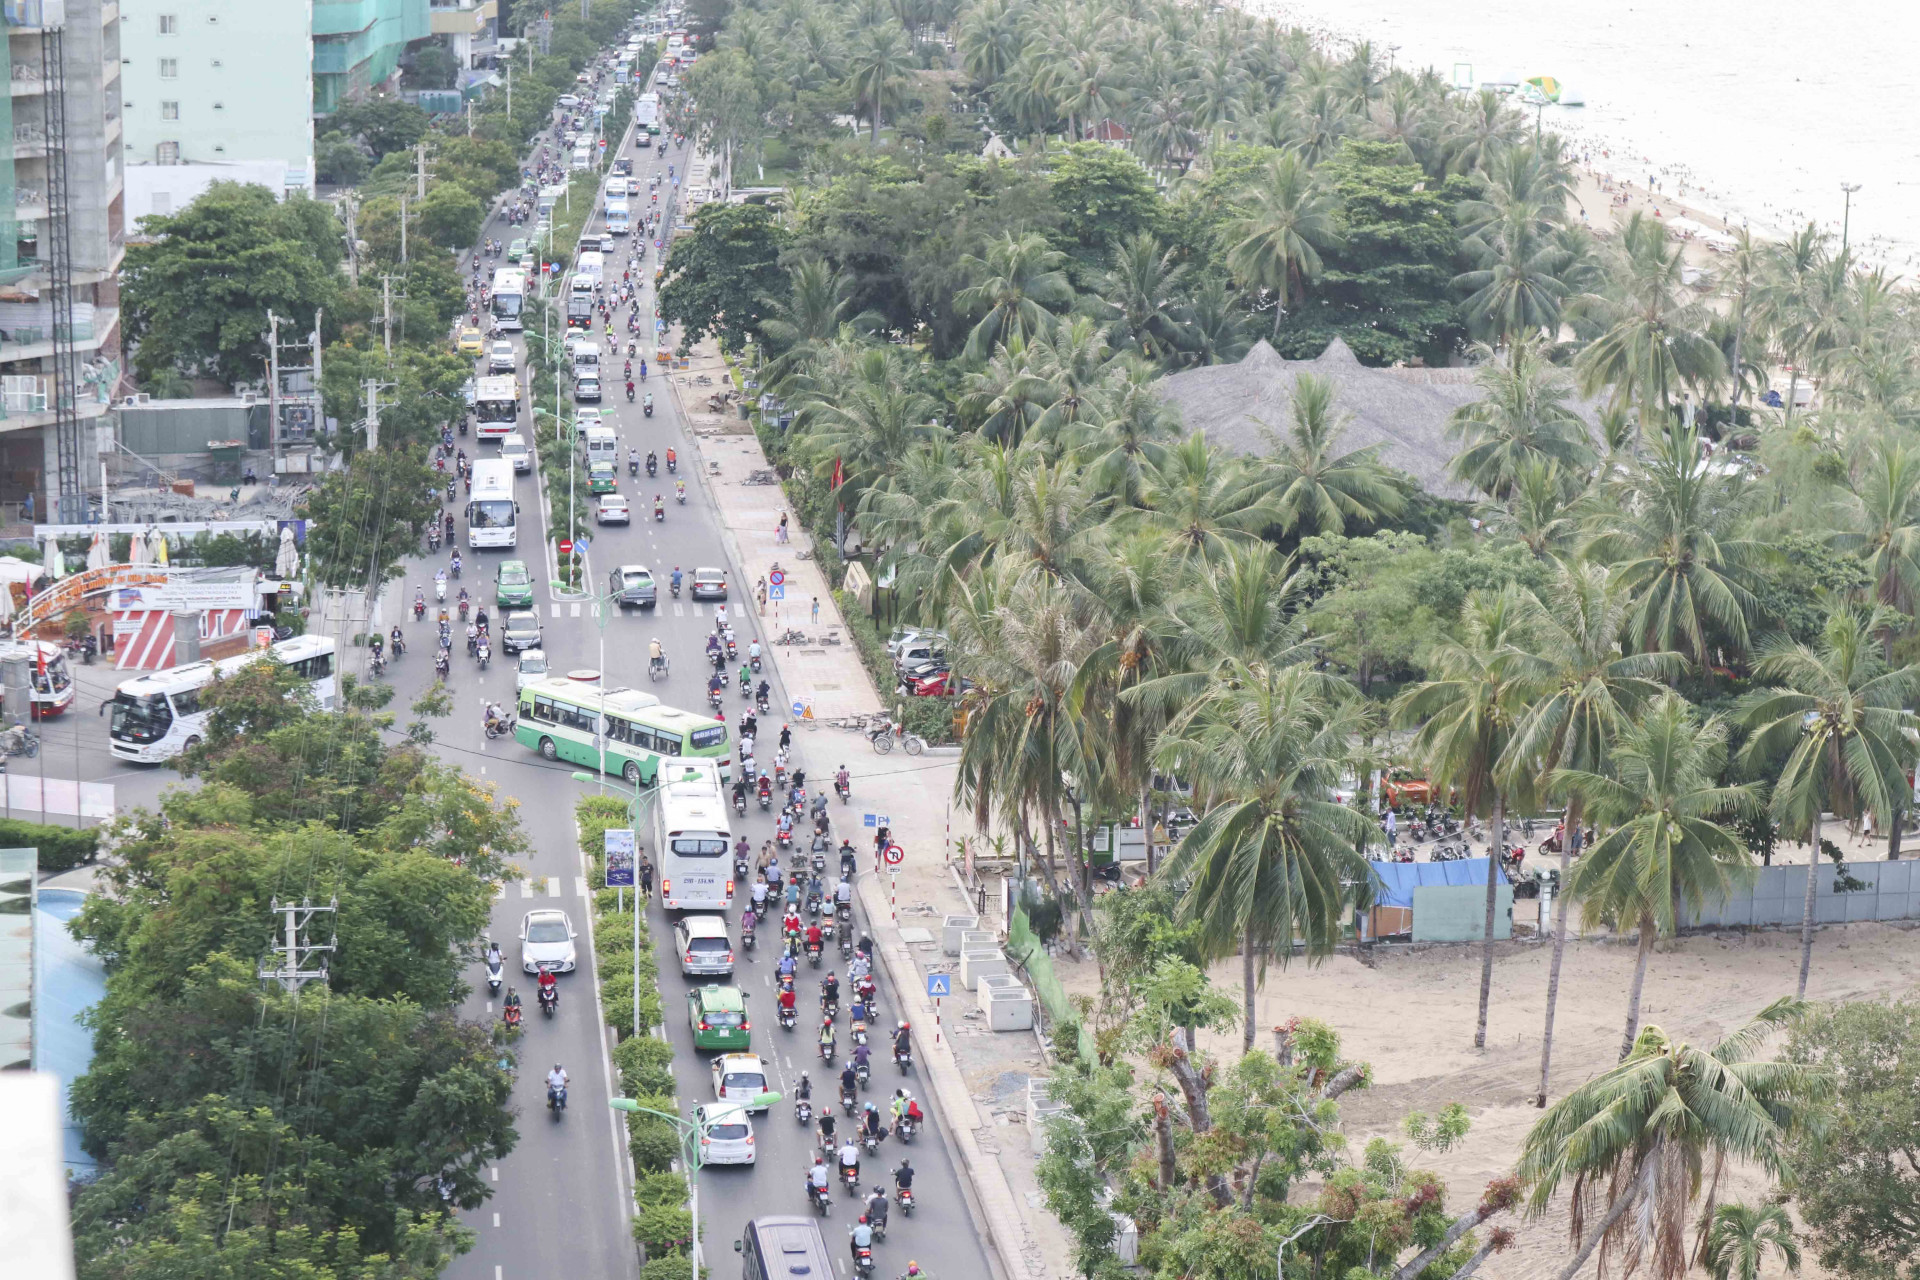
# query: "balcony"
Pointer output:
{"type": "Point", "coordinates": [22, 395]}
{"type": "Point", "coordinates": [26, 80]}
{"type": "Point", "coordinates": [34, 13]}
{"type": "Point", "coordinates": [29, 141]}
{"type": "Point", "coordinates": [91, 328]}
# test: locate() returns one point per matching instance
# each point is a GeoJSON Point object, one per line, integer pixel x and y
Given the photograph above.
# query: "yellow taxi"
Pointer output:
{"type": "Point", "coordinates": [471, 342]}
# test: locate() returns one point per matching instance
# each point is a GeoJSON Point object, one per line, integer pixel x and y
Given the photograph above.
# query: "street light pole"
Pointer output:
{"type": "Point", "coordinates": [1846, 216]}
{"type": "Point", "coordinates": [693, 1136]}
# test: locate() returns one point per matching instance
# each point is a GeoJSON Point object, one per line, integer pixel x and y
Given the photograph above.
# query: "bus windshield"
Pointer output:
{"type": "Point", "coordinates": [497, 410]}
{"type": "Point", "coordinates": [136, 719]}
{"type": "Point", "coordinates": [507, 305]}
{"type": "Point", "coordinates": [491, 515]}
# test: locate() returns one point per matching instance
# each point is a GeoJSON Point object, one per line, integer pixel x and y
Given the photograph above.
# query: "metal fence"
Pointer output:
{"type": "Point", "coordinates": [1778, 896]}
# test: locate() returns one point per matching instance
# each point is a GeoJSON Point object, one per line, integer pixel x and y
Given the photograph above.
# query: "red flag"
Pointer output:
{"type": "Point", "coordinates": [839, 478]}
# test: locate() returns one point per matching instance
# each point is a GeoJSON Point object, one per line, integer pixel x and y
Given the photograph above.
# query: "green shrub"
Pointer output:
{"type": "Point", "coordinates": [930, 718]}
{"type": "Point", "coordinates": [638, 1053]}
{"type": "Point", "coordinates": [61, 848]}
{"type": "Point", "coordinates": [653, 1145]}
{"type": "Point", "coordinates": [661, 1227]}
{"type": "Point", "coordinates": [671, 1266]}
{"type": "Point", "coordinates": [660, 1188]}
{"type": "Point", "coordinates": [1065, 1039]}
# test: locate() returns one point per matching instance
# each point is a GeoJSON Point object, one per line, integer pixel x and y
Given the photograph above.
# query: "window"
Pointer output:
{"type": "Point", "coordinates": [169, 24]}
{"type": "Point", "coordinates": [187, 703]}
{"type": "Point", "coordinates": [169, 111]}
{"type": "Point", "coordinates": [167, 153]}
{"type": "Point", "coordinates": [169, 68]}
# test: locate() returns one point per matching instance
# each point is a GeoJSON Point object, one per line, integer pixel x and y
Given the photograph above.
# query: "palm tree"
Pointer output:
{"type": "Point", "coordinates": [1523, 415]}
{"type": "Point", "coordinates": [1664, 848]}
{"type": "Point", "coordinates": [1790, 300]}
{"type": "Point", "coordinates": [876, 65]}
{"type": "Point", "coordinates": [1463, 720]}
{"type": "Point", "coordinates": [1141, 285]}
{"type": "Point", "coordinates": [1211, 332]}
{"type": "Point", "coordinates": [1654, 334]}
{"type": "Point", "coordinates": [1484, 128]}
{"type": "Point", "coordinates": [1741, 1237]}
{"type": "Point", "coordinates": [1590, 690]}
{"type": "Point", "coordinates": [1017, 286]}
{"type": "Point", "coordinates": [1205, 499]}
{"type": "Point", "coordinates": [1538, 513]}
{"type": "Point", "coordinates": [1121, 447]}
{"type": "Point", "coordinates": [991, 39]}
{"type": "Point", "coordinates": [1882, 515]}
{"type": "Point", "coordinates": [1277, 246]}
{"type": "Point", "coordinates": [1838, 711]}
{"type": "Point", "coordinates": [1274, 856]}
{"type": "Point", "coordinates": [1006, 396]}
{"type": "Point", "coordinates": [1640, 1140]}
{"type": "Point", "coordinates": [868, 427]}
{"type": "Point", "coordinates": [1509, 230]}
{"type": "Point", "coordinates": [815, 308]}
{"type": "Point", "coordinates": [1670, 539]}
{"type": "Point", "coordinates": [1316, 486]}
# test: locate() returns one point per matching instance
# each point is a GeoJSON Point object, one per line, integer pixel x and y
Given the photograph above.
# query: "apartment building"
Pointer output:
{"type": "Point", "coordinates": [215, 91]}
{"type": "Point", "coordinates": [59, 262]}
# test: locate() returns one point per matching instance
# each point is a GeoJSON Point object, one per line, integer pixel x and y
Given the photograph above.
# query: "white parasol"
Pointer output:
{"type": "Point", "coordinates": [158, 551]}
{"type": "Point", "coordinates": [287, 563]}
{"type": "Point", "coordinates": [55, 566]}
{"type": "Point", "coordinates": [137, 553]}
{"type": "Point", "coordinates": [98, 555]}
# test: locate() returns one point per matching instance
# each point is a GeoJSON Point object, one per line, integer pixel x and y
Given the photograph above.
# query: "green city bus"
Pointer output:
{"type": "Point", "coordinates": [556, 717]}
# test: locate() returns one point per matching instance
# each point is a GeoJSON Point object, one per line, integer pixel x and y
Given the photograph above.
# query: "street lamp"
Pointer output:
{"type": "Point", "coordinates": [693, 1142]}
{"type": "Point", "coordinates": [1846, 215]}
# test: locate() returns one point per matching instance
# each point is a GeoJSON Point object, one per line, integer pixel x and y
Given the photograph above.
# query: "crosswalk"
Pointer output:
{"type": "Point", "coordinates": [540, 887]}
{"type": "Point", "coordinates": [573, 609]}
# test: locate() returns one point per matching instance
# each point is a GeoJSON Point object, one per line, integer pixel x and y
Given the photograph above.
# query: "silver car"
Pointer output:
{"type": "Point", "coordinates": [532, 669]}
{"type": "Point", "coordinates": [546, 941]}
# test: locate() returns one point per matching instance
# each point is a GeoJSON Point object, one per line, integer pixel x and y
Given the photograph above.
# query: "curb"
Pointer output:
{"type": "Point", "coordinates": [1005, 1231]}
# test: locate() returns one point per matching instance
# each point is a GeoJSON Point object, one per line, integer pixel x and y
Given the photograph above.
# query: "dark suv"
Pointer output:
{"type": "Point", "coordinates": [633, 584]}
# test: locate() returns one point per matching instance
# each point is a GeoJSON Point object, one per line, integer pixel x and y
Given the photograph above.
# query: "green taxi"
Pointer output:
{"type": "Point", "coordinates": [718, 1016]}
{"type": "Point", "coordinates": [601, 477]}
{"type": "Point", "coordinates": [517, 251]}
{"type": "Point", "coordinates": [513, 585]}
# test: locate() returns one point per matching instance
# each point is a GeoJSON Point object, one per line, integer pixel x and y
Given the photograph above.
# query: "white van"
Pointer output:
{"type": "Point", "coordinates": [586, 360]}
{"type": "Point", "coordinates": [583, 156]}
{"type": "Point", "coordinates": [602, 445]}
{"type": "Point", "coordinates": [514, 449]}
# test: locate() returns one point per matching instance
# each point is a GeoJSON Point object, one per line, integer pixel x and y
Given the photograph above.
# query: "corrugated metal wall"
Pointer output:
{"type": "Point", "coordinates": [186, 428]}
{"type": "Point", "coordinates": [1778, 897]}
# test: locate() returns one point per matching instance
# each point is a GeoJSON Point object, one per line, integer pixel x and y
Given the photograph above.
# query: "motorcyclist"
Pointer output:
{"type": "Point", "coordinates": [787, 965]}
{"type": "Point", "coordinates": [803, 1091]}
{"type": "Point", "coordinates": [549, 986]}
{"type": "Point", "coordinates": [850, 1159]}
{"type": "Point", "coordinates": [860, 1236]}
{"type": "Point", "coordinates": [903, 1176]}
{"type": "Point", "coordinates": [830, 990]}
{"type": "Point", "coordinates": [762, 691]}
{"type": "Point", "coordinates": [787, 1000]}
{"type": "Point", "coordinates": [819, 1177]}
{"type": "Point", "coordinates": [656, 656]}
{"type": "Point", "coordinates": [739, 793]}
{"type": "Point", "coordinates": [877, 1207]}
{"type": "Point", "coordinates": [396, 641]}
{"type": "Point", "coordinates": [826, 1127]}
{"type": "Point", "coordinates": [716, 683]}
{"type": "Point", "coordinates": [843, 893]}
{"type": "Point", "coordinates": [814, 940]}
{"type": "Point", "coordinates": [828, 1034]}
{"type": "Point", "coordinates": [902, 1041]}
{"type": "Point", "coordinates": [871, 1125]}
{"type": "Point", "coordinates": [676, 577]}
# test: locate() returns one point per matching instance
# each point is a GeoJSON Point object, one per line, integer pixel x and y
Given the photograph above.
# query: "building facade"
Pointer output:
{"type": "Point", "coordinates": [60, 261]}
{"type": "Point", "coordinates": [215, 91]}
{"type": "Point", "coordinates": [357, 45]}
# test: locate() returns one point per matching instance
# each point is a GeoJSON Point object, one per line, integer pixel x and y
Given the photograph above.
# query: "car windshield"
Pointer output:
{"type": "Point", "coordinates": [513, 575]}
{"type": "Point", "coordinates": [744, 1080]}
{"type": "Point", "coordinates": [736, 1132]}
{"type": "Point", "coordinates": [534, 663]}
{"type": "Point", "coordinates": [546, 929]}
{"type": "Point", "coordinates": [521, 622]}
{"type": "Point", "coordinates": [636, 577]}
{"type": "Point", "coordinates": [139, 719]}
{"type": "Point", "coordinates": [720, 1018]}
{"type": "Point", "coordinates": [707, 944]}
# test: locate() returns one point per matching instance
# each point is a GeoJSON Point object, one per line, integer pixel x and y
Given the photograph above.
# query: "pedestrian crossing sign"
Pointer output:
{"type": "Point", "coordinates": [939, 984]}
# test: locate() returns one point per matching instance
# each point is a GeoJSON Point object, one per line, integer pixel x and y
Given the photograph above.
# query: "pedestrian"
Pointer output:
{"type": "Point", "coordinates": [646, 875]}
{"type": "Point", "coordinates": [816, 609]}
{"type": "Point", "coordinates": [780, 534]}
{"type": "Point", "coordinates": [786, 736]}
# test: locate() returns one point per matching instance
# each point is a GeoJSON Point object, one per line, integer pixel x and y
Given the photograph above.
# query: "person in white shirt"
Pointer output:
{"type": "Point", "coordinates": [850, 1158]}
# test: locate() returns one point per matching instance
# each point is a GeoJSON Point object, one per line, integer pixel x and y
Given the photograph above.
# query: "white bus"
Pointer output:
{"type": "Point", "coordinates": [492, 514]}
{"type": "Point", "coordinates": [156, 717]}
{"type": "Point", "coordinates": [51, 680]}
{"type": "Point", "coordinates": [496, 406]}
{"type": "Point", "coordinates": [508, 297]}
{"type": "Point", "coordinates": [691, 837]}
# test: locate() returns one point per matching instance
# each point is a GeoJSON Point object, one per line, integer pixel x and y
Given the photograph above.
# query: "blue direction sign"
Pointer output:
{"type": "Point", "coordinates": [939, 984]}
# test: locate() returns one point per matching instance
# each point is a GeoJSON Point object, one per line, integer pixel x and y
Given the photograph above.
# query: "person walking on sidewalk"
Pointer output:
{"type": "Point", "coordinates": [780, 534]}
{"type": "Point", "coordinates": [816, 610]}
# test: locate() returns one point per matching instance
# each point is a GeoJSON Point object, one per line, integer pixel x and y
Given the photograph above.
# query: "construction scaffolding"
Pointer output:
{"type": "Point", "coordinates": [69, 492]}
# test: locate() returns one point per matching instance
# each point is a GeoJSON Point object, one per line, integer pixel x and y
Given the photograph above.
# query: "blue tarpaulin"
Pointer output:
{"type": "Point", "coordinates": [1394, 882]}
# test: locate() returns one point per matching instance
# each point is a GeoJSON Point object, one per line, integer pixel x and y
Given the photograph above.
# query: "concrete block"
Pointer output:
{"type": "Point", "coordinates": [1008, 1004]}
{"type": "Point", "coordinates": [951, 927]}
{"type": "Point", "coordinates": [976, 963]}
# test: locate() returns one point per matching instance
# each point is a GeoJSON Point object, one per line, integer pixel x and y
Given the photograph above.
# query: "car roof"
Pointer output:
{"type": "Point", "coordinates": [546, 911]}
{"type": "Point", "coordinates": [704, 926]}
{"type": "Point", "coordinates": [626, 569]}
{"type": "Point", "coordinates": [718, 573]}
{"type": "Point", "coordinates": [518, 614]}
{"type": "Point", "coordinates": [605, 498]}
{"type": "Point", "coordinates": [533, 653]}
{"type": "Point", "coordinates": [725, 997]}
{"type": "Point", "coordinates": [740, 1062]}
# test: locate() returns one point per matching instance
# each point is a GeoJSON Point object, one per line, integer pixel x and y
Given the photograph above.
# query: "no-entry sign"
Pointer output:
{"type": "Point", "coordinates": [566, 546]}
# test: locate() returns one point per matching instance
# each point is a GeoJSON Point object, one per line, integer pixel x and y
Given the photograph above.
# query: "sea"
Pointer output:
{"type": "Point", "coordinates": [1762, 108]}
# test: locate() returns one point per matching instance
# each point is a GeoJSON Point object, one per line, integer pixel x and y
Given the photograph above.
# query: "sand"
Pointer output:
{"type": "Point", "coordinates": [1411, 1016]}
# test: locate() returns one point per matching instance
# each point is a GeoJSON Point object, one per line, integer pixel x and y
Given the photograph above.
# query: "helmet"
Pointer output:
{"type": "Point", "coordinates": [878, 1190]}
{"type": "Point", "coordinates": [869, 1106]}
{"type": "Point", "coordinates": [557, 1067]}
{"type": "Point", "coordinates": [803, 1075]}
{"type": "Point", "coordinates": [863, 1219]}
{"type": "Point", "coordinates": [903, 1024]}
{"type": "Point", "coordinates": [904, 1163]}
{"type": "Point", "coordinates": [913, 1268]}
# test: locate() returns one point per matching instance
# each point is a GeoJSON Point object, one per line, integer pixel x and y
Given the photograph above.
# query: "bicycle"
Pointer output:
{"type": "Point", "coordinates": [882, 740]}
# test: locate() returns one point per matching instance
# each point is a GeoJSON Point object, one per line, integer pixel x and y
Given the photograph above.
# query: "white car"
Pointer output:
{"type": "Point", "coordinates": [739, 1078]}
{"type": "Point", "coordinates": [546, 942]}
{"type": "Point", "coordinates": [613, 509]}
{"type": "Point", "coordinates": [729, 1134]}
{"type": "Point", "coordinates": [660, 76]}
{"type": "Point", "coordinates": [514, 449]}
{"type": "Point", "coordinates": [532, 669]}
{"type": "Point", "coordinates": [501, 358]}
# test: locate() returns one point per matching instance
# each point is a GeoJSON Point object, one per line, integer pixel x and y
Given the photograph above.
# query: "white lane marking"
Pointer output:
{"type": "Point", "coordinates": [553, 886]}
{"type": "Point", "coordinates": [679, 611]}
{"type": "Point", "coordinates": [576, 609]}
{"type": "Point", "coordinates": [496, 1219]}
{"type": "Point", "coordinates": [495, 1170]}
{"type": "Point", "coordinates": [496, 1271]}
{"type": "Point", "coordinates": [595, 612]}
{"type": "Point", "coordinates": [556, 608]}
{"type": "Point", "coordinates": [698, 612]}
{"type": "Point", "coordinates": [526, 888]}
{"type": "Point", "coordinates": [499, 890]}
{"type": "Point", "coordinates": [489, 1006]}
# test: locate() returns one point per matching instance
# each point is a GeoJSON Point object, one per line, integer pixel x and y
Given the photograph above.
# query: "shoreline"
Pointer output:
{"type": "Point", "coordinates": [1610, 165]}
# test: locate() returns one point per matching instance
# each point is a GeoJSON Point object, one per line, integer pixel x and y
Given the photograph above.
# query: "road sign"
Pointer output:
{"type": "Point", "coordinates": [566, 546]}
{"type": "Point", "coordinates": [581, 544]}
{"type": "Point", "coordinates": [895, 855]}
{"type": "Point", "coordinates": [620, 857]}
{"type": "Point", "coordinates": [873, 821]}
{"type": "Point", "coordinates": [939, 984]}
{"type": "Point", "coordinates": [775, 591]}
{"type": "Point", "coordinates": [777, 577]}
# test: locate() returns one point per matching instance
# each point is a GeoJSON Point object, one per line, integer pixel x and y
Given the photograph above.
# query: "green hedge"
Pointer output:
{"type": "Point", "coordinates": [61, 848]}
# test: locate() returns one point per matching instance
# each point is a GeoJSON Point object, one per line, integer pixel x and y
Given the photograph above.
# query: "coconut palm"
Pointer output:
{"type": "Point", "coordinates": [1017, 286]}
{"type": "Point", "coordinates": [1204, 499]}
{"type": "Point", "coordinates": [877, 64]}
{"type": "Point", "coordinates": [1741, 1237]}
{"type": "Point", "coordinates": [1791, 301]}
{"type": "Point", "coordinates": [816, 306]}
{"type": "Point", "coordinates": [1664, 848]}
{"type": "Point", "coordinates": [1275, 858]}
{"type": "Point", "coordinates": [1838, 711]}
{"type": "Point", "coordinates": [1463, 720]}
{"type": "Point", "coordinates": [1211, 332]}
{"type": "Point", "coordinates": [1881, 514]}
{"type": "Point", "coordinates": [1142, 284]}
{"type": "Point", "coordinates": [991, 39]}
{"type": "Point", "coordinates": [1653, 334]}
{"type": "Point", "coordinates": [1483, 128]}
{"type": "Point", "coordinates": [1277, 246]}
{"type": "Point", "coordinates": [1315, 485]}
{"type": "Point", "coordinates": [1643, 1140]}
{"type": "Point", "coordinates": [1005, 396]}
{"type": "Point", "coordinates": [1538, 512]}
{"type": "Point", "coordinates": [1670, 539]}
{"type": "Point", "coordinates": [1523, 415]}
{"type": "Point", "coordinates": [1590, 690]}
{"type": "Point", "coordinates": [1122, 446]}
{"type": "Point", "coordinates": [868, 427]}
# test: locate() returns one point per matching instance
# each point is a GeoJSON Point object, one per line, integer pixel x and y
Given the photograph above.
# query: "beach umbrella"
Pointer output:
{"type": "Point", "coordinates": [287, 563]}
{"type": "Point", "coordinates": [98, 556]}
{"type": "Point", "coordinates": [137, 553]}
{"type": "Point", "coordinates": [55, 566]}
{"type": "Point", "coordinates": [6, 602]}
{"type": "Point", "coordinates": [159, 547]}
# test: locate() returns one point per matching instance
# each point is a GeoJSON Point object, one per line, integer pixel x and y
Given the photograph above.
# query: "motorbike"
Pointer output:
{"type": "Point", "coordinates": [863, 1072]}
{"type": "Point", "coordinates": [820, 1199]}
{"type": "Point", "coordinates": [863, 1260]}
{"type": "Point", "coordinates": [760, 703]}
{"type": "Point", "coordinates": [827, 1050]}
{"type": "Point", "coordinates": [754, 662]}
{"type": "Point", "coordinates": [680, 496]}
{"type": "Point", "coordinates": [673, 462]}
{"type": "Point", "coordinates": [903, 1196]}
{"type": "Point", "coordinates": [803, 1112]}
{"type": "Point", "coordinates": [484, 654]}
{"type": "Point", "coordinates": [510, 1016]}
{"type": "Point", "coordinates": [653, 465]}
{"type": "Point", "coordinates": [441, 666]}
{"type": "Point", "coordinates": [843, 788]}
{"type": "Point", "coordinates": [740, 799]}
{"type": "Point", "coordinates": [905, 1129]}
{"type": "Point", "coordinates": [556, 1099]}
{"type": "Point", "coordinates": [659, 511]}
{"type": "Point", "coordinates": [903, 1059]}
{"type": "Point", "coordinates": [713, 700]}
{"type": "Point", "coordinates": [851, 1177]}
{"type": "Point", "coordinates": [744, 685]}
{"type": "Point", "coordinates": [549, 1000]}
{"type": "Point", "coordinates": [647, 408]}
{"type": "Point", "coordinates": [675, 587]}
{"type": "Point", "coordinates": [465, 607]}
{"type": "Point", "coordinates": [787, 1019]}
{"type": "Point", "coordinates": [847, 1102]}
{"type": "Point", "coordinates": [766, 799]}
{"type": "Point", "coordinates": [376, 665]}
{"type": "Point", "coordinates": [733, 649]}
{"type": "Point", "coordinates": [440, 589]}
{"type": "Point", "coordinates": [813, 954]}
{"type": "Point", "coordinates": [871, 1143]}
{"type": "Point", "coordinates": [494, 976]}
{"type": "Point", "coordinates": [501, 728]}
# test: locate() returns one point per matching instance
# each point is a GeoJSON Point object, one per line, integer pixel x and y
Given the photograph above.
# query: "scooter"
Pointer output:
{"type": "Point", "coordinates": [821, 1200]}
{"type": "Point", "coordinates": [843, 789]}
{"type": "Point", "coordinates": [660, 511]}
{"type": "Point", "coordinates": [549, 1000]}
{"type": "Point", "coordinates": [646, 409]}
{"type": "Point", "coordinates": [903, 1059]}
{"type": "Point", "coordinates": [803, 1112]}
{"type": "Point", "coordinates": [863, 1260]}
{"type": "Point", "coordinates": [863, 1072]}
{"type": "Point", "coordinates": [903, 1196]}
{"type": "Point", "coordinates": [556, 1099]}
{"type": "Point", "coordinates": [494, 976]}
{"type": "Point", "coordinates": [788, 1018]}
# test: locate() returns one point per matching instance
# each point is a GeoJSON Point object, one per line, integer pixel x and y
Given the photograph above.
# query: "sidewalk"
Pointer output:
{"type": "Point", "coordinates": [977, 1078]}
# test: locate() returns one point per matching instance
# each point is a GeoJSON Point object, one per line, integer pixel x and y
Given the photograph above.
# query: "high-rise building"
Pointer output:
{"type": "Point", "coordinates": [60, 260]}
{"type": "Point", "coordinates": [215, 91]}
{"type": "Point", "coordinates": [357, 44]}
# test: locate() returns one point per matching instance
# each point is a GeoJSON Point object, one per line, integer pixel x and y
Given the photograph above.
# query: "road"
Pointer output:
{"type": "Point", "coordinates": [559, 1203]}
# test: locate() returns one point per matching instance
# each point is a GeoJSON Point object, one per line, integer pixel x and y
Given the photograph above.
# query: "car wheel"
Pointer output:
{"type": "Point", "coordinates": [631, 773]}
{"type": "Point", "coordinates": [547, 749]}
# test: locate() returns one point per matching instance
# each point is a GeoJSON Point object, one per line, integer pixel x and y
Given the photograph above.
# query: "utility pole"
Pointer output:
{"type": "Point", "coordinates": [352, 203]}
{"type": "Point", "coordinates": [586, 9]}
{"type": "Point", "coordinates": [420, 169]}
{"type": "Point", "coordinates": [294, 955]}
{"type": "Point", "coordinates": [403, 231]}
{"type": "Point", "coordinates": [469, 117]}
{"type": "Point", "coordinates": [1846, 216]}
{"type": "Point", "coordinates": [374, 388]}
{"type": "Point", "coordinates": [273, 388]}
{"type": "Point", "coordinates": [386, 314]}
{"type": "Point", "coordinates": [510, 83]}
